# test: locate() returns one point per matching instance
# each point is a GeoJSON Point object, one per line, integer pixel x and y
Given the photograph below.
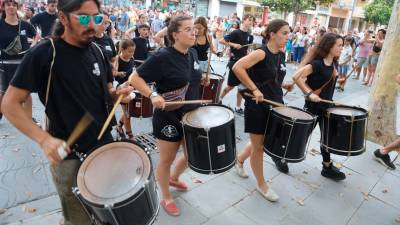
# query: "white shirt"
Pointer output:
{"type": "Point", "coordinates": [345, 54]}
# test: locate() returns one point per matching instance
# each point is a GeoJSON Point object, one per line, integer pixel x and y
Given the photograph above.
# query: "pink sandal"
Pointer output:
{"type": "Point", "coordinates": [170, 208]}
{"type": "Point", "coordinates": [180, 185]}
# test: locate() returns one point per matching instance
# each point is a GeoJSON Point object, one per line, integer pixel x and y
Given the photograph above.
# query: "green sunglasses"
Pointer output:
{"type": "Point", "coordinates": [85, 19]}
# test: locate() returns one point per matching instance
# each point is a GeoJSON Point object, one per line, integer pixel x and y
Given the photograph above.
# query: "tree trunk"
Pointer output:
{"type": "Point", "coordinates": [383, 96]}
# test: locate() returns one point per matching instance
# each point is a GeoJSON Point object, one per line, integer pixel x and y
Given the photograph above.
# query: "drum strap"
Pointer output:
{"type": "Point", "coordinates": [46, 119]}
{"type": "Point", "coordinates": [333, 77]}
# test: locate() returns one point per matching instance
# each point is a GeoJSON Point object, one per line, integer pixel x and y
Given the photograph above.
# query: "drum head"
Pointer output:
{"type": "Point", "coordinates": [113, 173]}
{"type": "Point", "coordinates": [347, 111]}
{"type": "Point", "coordinates": [208, 116]}
{"type": "Point", "coordinates": [293, 113]}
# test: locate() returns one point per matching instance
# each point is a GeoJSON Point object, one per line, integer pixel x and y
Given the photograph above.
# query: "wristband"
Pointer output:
{"type": "Point", "coordinates": [308, 94]}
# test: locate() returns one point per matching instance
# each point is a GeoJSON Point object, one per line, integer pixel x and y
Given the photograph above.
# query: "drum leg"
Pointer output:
{"type": "Point", "coordinates": [92, 217]}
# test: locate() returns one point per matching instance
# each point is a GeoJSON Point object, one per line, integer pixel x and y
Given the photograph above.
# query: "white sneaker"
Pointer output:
{"type": "Point", "coordinates": [240, 171]}
{"type": "Point", "coordinates": [270, 195]}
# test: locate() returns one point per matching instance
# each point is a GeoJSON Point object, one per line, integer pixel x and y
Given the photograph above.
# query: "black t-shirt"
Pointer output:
{"type": "Point", "coordinates": [142, 48]}
{"type": "Point", "coordinates": [125, 67]}
{"type": "Point", "coordinates": [78, 84]}
{"type": "Point", "coordinates": [45, 22]}
{"type": "Point", "coordinates": [320, 75]}
{"type": "Point", "coordinates": [108, 46]}
{"type": "Point", "coordinates": [239, 37]}
{"type": "Point", "coordinates": [9, 32]}
{"type": "Point", "coordinates": [172, 70]}
{"type": "Point", "coordinates": [269, 74]}
{"type": "Point", "coordinates": [202, 50]}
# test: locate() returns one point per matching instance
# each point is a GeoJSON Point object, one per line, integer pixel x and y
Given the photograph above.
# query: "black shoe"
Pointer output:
{"type": "Point", "coordinates": [332, 172]}
{"type": "Point", "coordinates": [239, 111]}
{"type": "Point", "coordinates": [384, 159]}
{"type": "Point", "coordinates": [281, 166]}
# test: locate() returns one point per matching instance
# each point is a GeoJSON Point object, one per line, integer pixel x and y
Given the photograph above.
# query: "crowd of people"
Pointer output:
{"type": "Point", "coordinates": [112, 51]}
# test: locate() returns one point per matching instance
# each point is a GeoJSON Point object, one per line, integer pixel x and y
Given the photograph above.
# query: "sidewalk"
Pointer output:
{"type": "Point", "coordinates": [369, 196]}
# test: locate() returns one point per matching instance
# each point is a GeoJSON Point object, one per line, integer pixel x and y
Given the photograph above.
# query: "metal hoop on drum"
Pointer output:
{"type": "Point", "coordinates": [91, 216]}
{"type": "Point", "coordinates": [283, 160]}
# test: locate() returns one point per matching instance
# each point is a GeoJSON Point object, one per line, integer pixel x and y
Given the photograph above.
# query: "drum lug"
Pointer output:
{"type": "Point", "coordinates": [283, 146]}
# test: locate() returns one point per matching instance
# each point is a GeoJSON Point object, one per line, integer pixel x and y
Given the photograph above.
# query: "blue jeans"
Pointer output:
{"type": "Point", "coordinates": [298, 54]}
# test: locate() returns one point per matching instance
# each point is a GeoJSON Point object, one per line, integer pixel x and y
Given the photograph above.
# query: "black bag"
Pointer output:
{"type": "Point", "coordinates": [15, 47]}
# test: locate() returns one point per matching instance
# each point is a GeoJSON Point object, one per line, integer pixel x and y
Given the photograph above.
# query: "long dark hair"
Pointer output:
{"type": "Point", "coordinates": [174, 25]}
{"type": "Point", "coordinates": [203, 22]}
{"type": "Point", "coordinates": [273, 27]}
{"type": "Point", "coordinates": [67, 6]}
{"type": "Point", "coordinates": [323, 48]}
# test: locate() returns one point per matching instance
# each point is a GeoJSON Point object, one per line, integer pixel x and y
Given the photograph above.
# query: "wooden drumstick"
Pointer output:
{"type": "Point", "coordinates": [187, 102]}
{"type": "Point", "coordinates": [249, 45]}
{"type": "Point", "coordinates": [266, 100]}
{"type": "Point", "coordinates": [110, 116]}
{"type": "Point", "coordinates": [335, 103]}
{"type": "Point", "coordinates": [80, 127]}
{"type": "Point", "coordinates": [139, 61]}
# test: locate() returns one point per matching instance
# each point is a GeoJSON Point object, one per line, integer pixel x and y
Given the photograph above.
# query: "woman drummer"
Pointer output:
{"type": "Point", "coordinates": [177, 77]}
{"type": "Point", "coordinates": [317, 80]}
{"type": "Point", "coordinates": [266, 68]}
{"type": "Point", "coordinates": [203, 43]}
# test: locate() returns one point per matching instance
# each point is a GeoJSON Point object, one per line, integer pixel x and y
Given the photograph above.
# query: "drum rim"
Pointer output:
{"type": "Point", "coordinates": [218, 75]}
{"type": "Point", "coordinates": [186, 124]}
{"type": "Point", "coordinates": [290, 118]}
{"type": "Point", "coordinates": [366, 113]}
{"type": "Point", "coordinates": [133, 193]}
{"type": "Point", "coordinates": [285, 158]}
{"type": "Point", "coordinates": [363, 149]}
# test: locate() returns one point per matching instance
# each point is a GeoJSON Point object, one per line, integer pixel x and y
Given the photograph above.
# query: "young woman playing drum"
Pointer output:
{"type": "Point", "coordinates": [317, 79]}
{"type": "Point", "coordinates": [175, 73]}
{"type": "Point", "coordinates": [124, 66]}
{"type": "Point", "coordinates": [267, 71]}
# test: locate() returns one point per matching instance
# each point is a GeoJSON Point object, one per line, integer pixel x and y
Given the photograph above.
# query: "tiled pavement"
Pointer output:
{"type": "Point", "coordinates": [369, 196]}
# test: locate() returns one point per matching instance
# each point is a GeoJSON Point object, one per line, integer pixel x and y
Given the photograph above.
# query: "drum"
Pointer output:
{"type": "Point", "coordinates": [209, 133]}
{"type": "Point", "coordinates": [212, 91]}
{"type": "Point", "coordinates": [116, 185]}
{"type": "Point", "coordinates": [288, 133]}
{"type": "Point", "coordinates": [140, 106]}
{"type": "Point", "coordinates": [343, 131]}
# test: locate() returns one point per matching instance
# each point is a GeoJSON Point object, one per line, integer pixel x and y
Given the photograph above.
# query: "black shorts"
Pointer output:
{"type": "Point", "coordinates": [167, 125]}
{"type": "Point", "coordinates": [255, 117]}
{"type": "Point", "coordinates": [232, 79]}
{"type": "Point", "coordinates": [6, 74]}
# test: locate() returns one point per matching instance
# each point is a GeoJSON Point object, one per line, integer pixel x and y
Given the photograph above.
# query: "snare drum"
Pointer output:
{"type": "Point", "coordinates": [116, 185]}
{"type": "Point", "coordinates": [209, 133]}
{"type": "Point", "coordinates": [287, 133]}
{"type": "Point", "coordinates": [343, 131]}
{"type": "Point", "coordinates": [140, 106]}
{"type": "Point", "coordinates": [213, 90]}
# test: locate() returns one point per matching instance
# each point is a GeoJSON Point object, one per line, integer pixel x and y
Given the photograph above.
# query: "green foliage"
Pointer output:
{"type": "Point", "coordinates": [292, 5]}
{"type": "Point", "coordinates": [378, 12]}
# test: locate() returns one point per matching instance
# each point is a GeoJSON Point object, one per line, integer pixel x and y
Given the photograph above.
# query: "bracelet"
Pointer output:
{"type": "Point", "coordinates": [308, 94]}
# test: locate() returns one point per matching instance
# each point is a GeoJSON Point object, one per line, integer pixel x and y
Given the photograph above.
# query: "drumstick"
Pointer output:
{"type": "Point", "coordinates": [287, 90]}
{"type": "Point", "coordinates": [335, 103]}
{"type": "Point", "coordinates": [266, 100]}
{"type": "Point", "coordinates": [139, 61]}
{"type": "Point", "coordinates": [110, 116]}
{"type": "Point", "coordinates": [187, 102]}
{"type": "Point", "coordinates": [248, 45]}
{"type": "Point", "coordinates": [80, 127]}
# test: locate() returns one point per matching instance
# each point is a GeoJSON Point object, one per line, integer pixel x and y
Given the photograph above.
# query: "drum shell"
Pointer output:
{"type": "Point", "coordinates": [336, 135]}
{"type": "Point", "coordinates": [140, 107]}
{"type": "Point", "coordinates": [139, 209]}
{"type": "Point", "coordinates": [198, 151]}
{"type": "Point", "coordinates": [279, 131]}
{"type": "Point", "coordinates": [213, 90]}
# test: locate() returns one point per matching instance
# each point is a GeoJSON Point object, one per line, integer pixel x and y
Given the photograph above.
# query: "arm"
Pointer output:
{"type": "Point", "coordinates": [12, 108]}
{"type": "Point", "coordinates": [240, 68]}
{"type": "Point", "coordinates": [139, 84]}
{"type": "Point", "coordinates": [230, 44]}
{"type": "Point", "coordinates": [128, 33]}
{"type": "Point", "coordinates": [160, 35]}
{"type": "Point", "coordinates": [300, 78]}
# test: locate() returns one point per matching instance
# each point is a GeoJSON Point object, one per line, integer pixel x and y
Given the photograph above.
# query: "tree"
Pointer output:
{"type": "Point", "coordinates": [295, 6]}
{"type": "Point", "coordinates": [382, 99]}
{"type": "Point", "coordinates": [378, 11]}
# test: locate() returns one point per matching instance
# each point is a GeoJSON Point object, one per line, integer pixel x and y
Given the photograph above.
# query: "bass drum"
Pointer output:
{"type": "Point", "coordinates": [209, 133]}
{"type": "Point", "coordinates": [140, 106]}
{"type": "Point", "coordinates": [116, 185]}
{"type": "Point", "coordinates": [212, 91]}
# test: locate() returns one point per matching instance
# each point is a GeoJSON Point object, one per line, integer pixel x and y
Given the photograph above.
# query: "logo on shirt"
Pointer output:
{"type": "Point", "coordinates": [196, 66]}
{"type": "Point", "coordinates": [23, 32]}
{"type": "Point", "coordinates": [170, 131]}
{"type": "Point", "coordinates": [108, 48]}
{"type": "Point", "coordinates": [283, 67]}
{"type": "Point", "coordinates": [96, 70]}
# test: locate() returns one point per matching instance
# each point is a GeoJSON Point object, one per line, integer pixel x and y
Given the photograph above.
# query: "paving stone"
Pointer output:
{"type": "Point", "coordinates": [189, 215]}
{"type": "Point", "coordinates": [215, 196]}
{"type": "Point", "coordinates": [387, 190]}
{"type": "Point", "coordinates": [373, 212]}
{"type": "Point", "coordinates": [53, 218]}
{"type": "Point", "coordinates": [231, 216]}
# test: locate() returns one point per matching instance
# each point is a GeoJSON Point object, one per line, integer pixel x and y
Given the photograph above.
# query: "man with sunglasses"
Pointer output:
{"type": "Point", "coordinates": [78, 79]}
{"type": "Point", "coordinates": [46, 19]}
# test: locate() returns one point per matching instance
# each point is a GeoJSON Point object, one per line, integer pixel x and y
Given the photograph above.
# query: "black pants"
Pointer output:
{"type": "Point", "coordinates": [318, 109]}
